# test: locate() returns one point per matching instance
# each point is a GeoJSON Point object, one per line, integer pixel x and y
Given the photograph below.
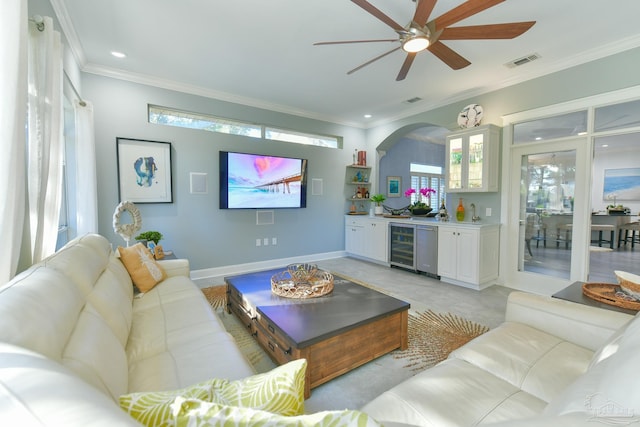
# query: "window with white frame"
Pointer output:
{"type": "Point", "coordinates": [172, 117]}
{"type": "Point", "coordinates": [427, 176]}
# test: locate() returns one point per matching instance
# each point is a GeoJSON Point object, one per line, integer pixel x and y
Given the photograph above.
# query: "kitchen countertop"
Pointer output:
{"type": "Point", "coordinates": [430, 221]}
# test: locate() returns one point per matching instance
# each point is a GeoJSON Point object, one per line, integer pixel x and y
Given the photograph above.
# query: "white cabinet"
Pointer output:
{"type": "Point", "coordinates": [472, 160]}
{"type": "Point", "coordinates": [468, 255]}
{"type": "Point", "coordinates": [366, 237]}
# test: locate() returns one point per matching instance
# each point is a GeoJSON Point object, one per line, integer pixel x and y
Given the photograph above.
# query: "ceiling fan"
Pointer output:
{"type": "Point", "coordinates": [419, 35]}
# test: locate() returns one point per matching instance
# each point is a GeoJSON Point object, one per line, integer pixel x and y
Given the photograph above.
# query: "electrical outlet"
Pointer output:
{"type": "Point", "coordinates": [488, 212]}
{"type": "Point", "coordinates": [258, 242]}
{"type": "Point", "coordinates": [265, 241]}
{"type": "Point", "coordinates": [274, 241]}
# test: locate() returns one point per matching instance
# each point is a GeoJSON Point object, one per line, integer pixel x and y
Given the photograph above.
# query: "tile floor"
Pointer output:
{"type": "Point", "coordinates": [486, 307]}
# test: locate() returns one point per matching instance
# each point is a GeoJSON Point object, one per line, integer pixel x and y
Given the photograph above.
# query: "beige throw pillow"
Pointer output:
{"type": "Point", "coordinates": [145, 272]}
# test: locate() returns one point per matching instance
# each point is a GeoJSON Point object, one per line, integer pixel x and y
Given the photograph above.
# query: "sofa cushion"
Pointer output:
{"type": "Point", "coordinates": [195, 413]}
{"type": "Point", "coordinates": [142, 266]}
{"type": "Point", "coordinates": [37, 391]}
{"type": "Point", "coordinates": [536, 362]}
{"type": "Point", "coordinates": [612, 345]}
{"type": "Point", "coordinates": [174, 331]}
{"type": "Point", "coordinates": [608, 390]}
{"type": "Point", "coordinates": [40, 308]}
{"type": "Point", "coordinates": [82, 260]}
{"type": "Point", "coordinates": [583, 325]}
{"type": "Point", "coordinates": [95, 354]}
{"type": "Point", "coordinates": [453, 393]}
{"type": "Point", "coordinates": [279, 391]}
{"type": "Point", "coordinates": [112, 298]}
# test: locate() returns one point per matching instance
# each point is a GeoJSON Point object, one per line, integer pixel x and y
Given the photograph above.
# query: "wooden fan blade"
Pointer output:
{"type": "Point", "coordinates": [465, 10]}
{"type": "Point", "coordinates": [492, 31]}
{"type": "Point", "coordinates": [405, 66]}
{"type": "Point", "coordinates": [355, 41]}
{"type": "Point", "coordinates": [423, 11]}
{"type": "Point", "coordinates": [373, 60]}
{"type": "Point", "coordinates": [448, 56]}
{"type": "Point", "coordinates": [379, 14]}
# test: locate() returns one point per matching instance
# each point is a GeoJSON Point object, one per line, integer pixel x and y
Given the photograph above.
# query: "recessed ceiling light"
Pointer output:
{"type": "Point", "coordinates": [367, 116]}
{"type": "Point", "coordinates": [604, 145]}
{"type": "Point", "coordinates": [118, 54]}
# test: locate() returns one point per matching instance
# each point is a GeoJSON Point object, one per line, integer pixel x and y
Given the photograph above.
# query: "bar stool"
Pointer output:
{"type": "Point", "coordinates": [567, 229]}
{"type": "Point", "coordinates": [632, 227]}
{"type": "Point", "coordinates": [604, 227]}
{"type": "Point", "coordinates": [541, 227]}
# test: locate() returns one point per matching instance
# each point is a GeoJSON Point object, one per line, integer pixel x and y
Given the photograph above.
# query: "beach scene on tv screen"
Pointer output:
{"type": "Point", "coordinates": [256, 181]}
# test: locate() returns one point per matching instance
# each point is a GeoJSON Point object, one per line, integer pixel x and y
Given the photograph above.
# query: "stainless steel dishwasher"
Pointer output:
{"type": "Point", "coordinates": [427, 249]}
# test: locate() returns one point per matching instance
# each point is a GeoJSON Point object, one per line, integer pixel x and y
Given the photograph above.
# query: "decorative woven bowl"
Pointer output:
{"type": "Point", "coordinates": [286, 285]}
{"type": "Point", "coordinates": [302, 272]}
{"type": "Point", "coordinates": [629, 283]}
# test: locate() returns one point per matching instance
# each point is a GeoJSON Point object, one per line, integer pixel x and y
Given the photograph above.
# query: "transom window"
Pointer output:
{"type": "Point", "coordinates": [186, 119]}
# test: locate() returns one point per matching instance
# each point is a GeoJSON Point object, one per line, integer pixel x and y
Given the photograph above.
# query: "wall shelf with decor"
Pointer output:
{"type": "Point", "coordinates": [472, 160]}
{"type": "Point", "coordinates": [357, 180]}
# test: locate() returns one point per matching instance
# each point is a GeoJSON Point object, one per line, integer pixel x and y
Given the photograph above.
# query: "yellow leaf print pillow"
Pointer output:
{"type": "Point", "coordinates": [279, 391]}
{"type": "Point", "coordinates": [196, 413]}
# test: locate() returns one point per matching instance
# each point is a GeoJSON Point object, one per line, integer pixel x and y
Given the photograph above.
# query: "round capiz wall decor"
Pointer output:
{"type": "Point", "coordinates": [470, 116]}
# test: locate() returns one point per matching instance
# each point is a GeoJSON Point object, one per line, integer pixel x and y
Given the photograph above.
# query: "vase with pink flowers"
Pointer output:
{"type": "Point", "coordinates": [422, 204]}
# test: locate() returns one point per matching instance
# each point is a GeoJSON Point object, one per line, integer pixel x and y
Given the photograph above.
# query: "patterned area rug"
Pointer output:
{"type": "Point", "coordinates": [432, 336]}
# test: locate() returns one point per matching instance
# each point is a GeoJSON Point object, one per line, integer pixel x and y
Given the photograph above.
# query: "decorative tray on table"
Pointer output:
{"type": "Point", "coordinates": [302, 281]}
{"type": "Point", "coordinates": [610, 293]}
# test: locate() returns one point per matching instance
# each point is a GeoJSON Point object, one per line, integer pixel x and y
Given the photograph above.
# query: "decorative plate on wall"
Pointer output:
{"type": "Point", "coordinates": [470, 116]}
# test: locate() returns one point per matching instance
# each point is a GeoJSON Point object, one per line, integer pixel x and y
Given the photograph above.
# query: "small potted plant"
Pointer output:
{"type": "Point", "coordinates": [378, 199]}
{"type": "Point", "coordinates": [149, 236]}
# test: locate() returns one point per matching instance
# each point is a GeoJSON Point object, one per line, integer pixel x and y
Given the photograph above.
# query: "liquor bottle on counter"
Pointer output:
{"type": "Point", "coordinates": [443, 215]}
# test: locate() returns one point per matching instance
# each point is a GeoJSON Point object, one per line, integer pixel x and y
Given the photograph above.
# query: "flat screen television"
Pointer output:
{"type": "Point", "coordinates": [255, 181]}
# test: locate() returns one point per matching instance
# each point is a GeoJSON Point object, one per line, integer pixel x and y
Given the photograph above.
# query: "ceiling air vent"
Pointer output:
{"type": "Point", "coordinates": [413, 100]}
{"type": "Point", "coordinates": [524, 60]}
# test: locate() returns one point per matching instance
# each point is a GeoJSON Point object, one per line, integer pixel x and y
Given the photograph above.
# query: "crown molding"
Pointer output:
{"type": "Point", "coordinates": [591, 55]}
{"type": "Point", "coordinates": [69, 32]}
{"type": "Point", "coordinates": [159, 82]}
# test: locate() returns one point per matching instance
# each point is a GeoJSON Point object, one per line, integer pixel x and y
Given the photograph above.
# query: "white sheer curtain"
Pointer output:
{"type": "Point", "coordinates": [13, 77]}
{"type": "Point", "coordinates": [44, 139]}
{"type": "Point", "coordinates": [86, 178]}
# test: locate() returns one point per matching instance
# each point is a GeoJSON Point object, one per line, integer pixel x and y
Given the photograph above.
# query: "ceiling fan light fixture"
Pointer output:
{"type": "Point", "coordinates": [416, 40]}
{"type": "Point", "coordinates": [415, 44]}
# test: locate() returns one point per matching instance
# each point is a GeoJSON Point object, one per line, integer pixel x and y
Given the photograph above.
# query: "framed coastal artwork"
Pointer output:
{"type": "Point", "coordinates": [144, 171]}
{"type": "Point", "coordinates": [621, 184]}
{"type": "Point", "coordinates": [394, 184]}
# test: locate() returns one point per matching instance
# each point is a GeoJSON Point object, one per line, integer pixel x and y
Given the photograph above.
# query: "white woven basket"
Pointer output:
{"type": "Point", "coordinates": [629, 283]}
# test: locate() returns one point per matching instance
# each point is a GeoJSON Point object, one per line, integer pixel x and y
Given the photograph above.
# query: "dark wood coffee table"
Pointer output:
{"type": "Point", "coordinates": [335, 333]}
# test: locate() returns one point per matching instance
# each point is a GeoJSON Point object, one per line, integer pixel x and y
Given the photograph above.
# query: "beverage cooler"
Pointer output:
{"type": "Point", "coordinates": [414, 247]}
{"type": "Point", "coordinates": [402, 245]}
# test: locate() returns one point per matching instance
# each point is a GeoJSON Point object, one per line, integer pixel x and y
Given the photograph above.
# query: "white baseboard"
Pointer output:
{"type": "Point", "coordinates": [229, 270]}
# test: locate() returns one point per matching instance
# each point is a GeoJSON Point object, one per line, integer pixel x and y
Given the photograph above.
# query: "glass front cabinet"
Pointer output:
{"type": "Point", "coordinates": [472, 160]}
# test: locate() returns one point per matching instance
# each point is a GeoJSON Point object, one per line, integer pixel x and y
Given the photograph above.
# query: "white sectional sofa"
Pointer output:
{"type": "Point", "coordinates": [551, 363]}
{"type": "Point", "coordinates": [73, 338]}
